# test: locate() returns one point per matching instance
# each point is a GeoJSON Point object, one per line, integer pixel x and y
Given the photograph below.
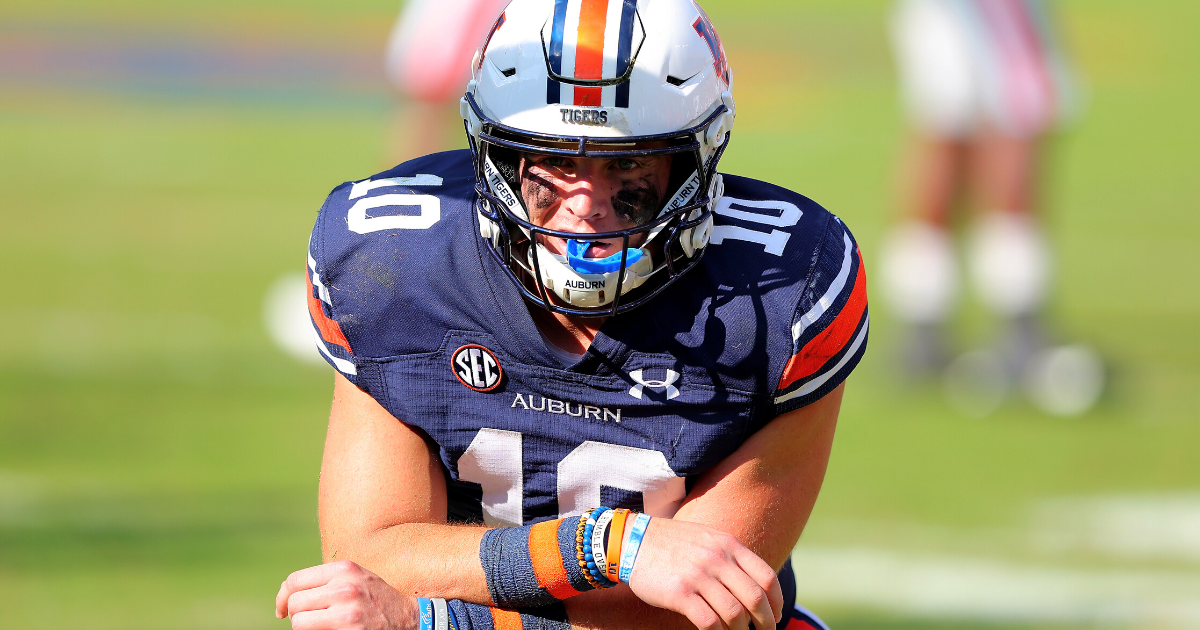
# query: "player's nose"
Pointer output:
{"type": "Point", "coordinates": [588, 203]}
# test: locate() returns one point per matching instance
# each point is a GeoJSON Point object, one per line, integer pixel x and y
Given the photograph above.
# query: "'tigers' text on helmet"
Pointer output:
{"type": "Point", "coordinates": [594, 117]}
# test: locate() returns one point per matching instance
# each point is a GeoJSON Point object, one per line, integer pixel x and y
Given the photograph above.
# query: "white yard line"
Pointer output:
{"type": "Point", "coordinates": [947, 587]}
{"type": "Point", "coordinates": [1148, 526]}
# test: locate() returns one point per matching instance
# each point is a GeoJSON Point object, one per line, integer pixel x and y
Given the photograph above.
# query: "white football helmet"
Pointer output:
{"type": "Point", "coordinates": [601, 77]}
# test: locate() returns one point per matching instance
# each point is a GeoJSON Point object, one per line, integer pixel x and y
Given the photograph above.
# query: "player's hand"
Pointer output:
{"type": "Point", "coordinates": [343, 596]}
{"type": "Point", "coordinates": [707, 576]}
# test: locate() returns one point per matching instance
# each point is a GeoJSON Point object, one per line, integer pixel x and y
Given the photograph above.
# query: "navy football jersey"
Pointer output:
{"type": "Point", "coordinates": [410, 306]}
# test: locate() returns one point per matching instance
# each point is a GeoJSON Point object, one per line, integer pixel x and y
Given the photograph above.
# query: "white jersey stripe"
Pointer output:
{"type": "Point", "coordinates": [343, 365]}
{"type": "Point", "coordinates": [322, 290]}
{"type": "Point", "coordinates": [835, 289]}
{"type": "Point", "coordinates": [808, 613]}
{"type": "Point", "coordinates": [817, 382]}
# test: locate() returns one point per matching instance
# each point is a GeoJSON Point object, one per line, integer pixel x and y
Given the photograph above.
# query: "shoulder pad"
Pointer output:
{"type": "Point", "coordinates": [377, 252]}
{"type": "Point", "coordinates": [830, 323]}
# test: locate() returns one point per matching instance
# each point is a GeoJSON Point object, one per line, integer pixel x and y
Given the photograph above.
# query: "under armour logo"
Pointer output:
{"type": "Point", "coordinates": [668, 383]}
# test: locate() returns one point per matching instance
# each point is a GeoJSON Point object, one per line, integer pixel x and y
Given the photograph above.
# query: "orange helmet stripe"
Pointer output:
{"type": "Point", "coordinates": [589, 49]}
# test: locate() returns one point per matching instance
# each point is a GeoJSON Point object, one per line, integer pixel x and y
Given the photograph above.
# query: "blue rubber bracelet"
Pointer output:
{"type": "Point", "coordinates": [629, 550]}
{"type": "Point", "coordinates": [424, 614]}
{"type": "Point", "coordinates": [591, 568]}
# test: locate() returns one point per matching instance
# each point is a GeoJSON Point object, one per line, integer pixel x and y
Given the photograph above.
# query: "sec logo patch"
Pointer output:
{"type": "Point", "coordinates": [477, 368]}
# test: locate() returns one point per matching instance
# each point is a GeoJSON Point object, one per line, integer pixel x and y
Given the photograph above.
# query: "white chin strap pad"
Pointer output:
{"type": "Point", "coordinates": [588, 289]}
{"type": "Point", "coordinates": [1009, 263]}
{"type": "Point", "coordinates": [919, 273]}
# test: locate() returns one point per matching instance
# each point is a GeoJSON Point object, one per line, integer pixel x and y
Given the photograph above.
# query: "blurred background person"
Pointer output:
{"type": "Point", "coordinates": [428, 62]}
{"type": "Point", "coordinates": [984, 83]}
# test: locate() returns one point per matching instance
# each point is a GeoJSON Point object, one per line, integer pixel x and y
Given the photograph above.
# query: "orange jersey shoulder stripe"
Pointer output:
{"type": "Point", "coordinates": [547, 560]}
{"type": "Point", "coordinates": [331, 332]}
{"type": "Point", "coordinates": [817, 352]}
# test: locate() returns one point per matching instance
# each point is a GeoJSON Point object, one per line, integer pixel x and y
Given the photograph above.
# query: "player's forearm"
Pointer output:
{"type": "Point", "coordinates": [511, 567]}
{"type": "Point", "coordinates": [765, 492]}
{"type": "Point", "coordinates": [542, 566]}
{"type": "Point", "coordinates": [422, 559]}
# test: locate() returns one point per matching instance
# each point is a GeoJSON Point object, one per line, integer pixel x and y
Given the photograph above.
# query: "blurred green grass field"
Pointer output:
{"type": "Point", "coordinates": [159, 457]}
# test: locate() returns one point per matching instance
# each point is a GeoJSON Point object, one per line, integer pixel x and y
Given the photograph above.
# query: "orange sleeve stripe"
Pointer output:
{"type": "Point", "coordinates": [504, 619]}
{"type": "Point", "coordinates": [817, 352]}
{"type": "Point", "coordinates": [547, 560]}
{"type": "Point", "coordinates": [330, 331]}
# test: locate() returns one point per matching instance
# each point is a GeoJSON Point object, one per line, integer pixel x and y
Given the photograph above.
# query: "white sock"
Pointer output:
{"type": "Point", "coordinates": [919, 273]}
{"type": "Point", "coordinates": [1009, 263]}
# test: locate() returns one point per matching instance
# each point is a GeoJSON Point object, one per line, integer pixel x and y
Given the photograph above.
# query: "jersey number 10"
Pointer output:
{"type": "Point", "coordinates": [495, 461]}
{"type": "Point", "coordinates": [361, 221]}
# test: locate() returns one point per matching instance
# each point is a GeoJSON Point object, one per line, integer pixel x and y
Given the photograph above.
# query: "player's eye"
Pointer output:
{"type": "Point", "coordinates": [627, 164]}
{"type": "Point", "coordinates": [555, 162]}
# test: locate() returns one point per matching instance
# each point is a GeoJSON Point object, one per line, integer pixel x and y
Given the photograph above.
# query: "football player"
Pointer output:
{"type": "Point", "coordinates": [582, 378]}
{"type": "Point", "coordinates": [985, 81]}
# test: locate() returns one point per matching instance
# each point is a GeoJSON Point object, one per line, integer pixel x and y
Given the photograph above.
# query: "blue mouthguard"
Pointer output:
{"type": "Point", "coordinates": [576, 250]}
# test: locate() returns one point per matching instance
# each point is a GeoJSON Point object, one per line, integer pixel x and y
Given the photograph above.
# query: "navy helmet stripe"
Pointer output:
{"type": "Point", "coordinates": [553, 88]}
{"type": "Point", "coordinates": [625, 50]}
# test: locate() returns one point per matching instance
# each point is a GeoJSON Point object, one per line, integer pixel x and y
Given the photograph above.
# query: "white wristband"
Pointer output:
{"type": "Point", "coordinates": [441, 614]}
{"type": "Point", "coordinates": [598, 553]}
